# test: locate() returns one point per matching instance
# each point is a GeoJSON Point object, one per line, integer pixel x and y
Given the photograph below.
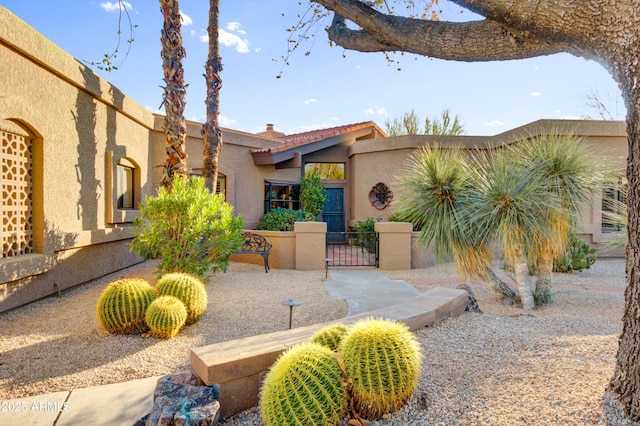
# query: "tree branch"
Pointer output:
{"type": "Point", "coordinates": [469, 41]}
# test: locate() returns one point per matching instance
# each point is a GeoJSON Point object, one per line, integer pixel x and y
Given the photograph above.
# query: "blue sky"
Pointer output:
{"type": "Point", "coordinates": [329, 87]}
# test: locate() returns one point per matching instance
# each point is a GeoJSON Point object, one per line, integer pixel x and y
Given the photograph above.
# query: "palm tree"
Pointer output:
{"type": "Point", "coordinates": [212, 135]}
{"type": "Point", "coordinates": [573, 172]}
{"type": "Point", "coordinates": [174, 91]}
{"type": "Point", "coordinates": [433, 193]}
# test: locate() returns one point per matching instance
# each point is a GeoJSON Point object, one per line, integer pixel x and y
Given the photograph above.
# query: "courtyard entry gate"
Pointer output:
{"type": "Point", "coordinates": [349, 249]}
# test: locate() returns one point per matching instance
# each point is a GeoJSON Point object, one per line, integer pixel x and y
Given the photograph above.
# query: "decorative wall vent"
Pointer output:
{"type": "Point", "coordinates": [380, 196]}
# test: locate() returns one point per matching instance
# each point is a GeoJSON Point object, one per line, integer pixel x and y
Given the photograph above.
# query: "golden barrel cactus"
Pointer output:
{"type": "Point", "coordinates": [165, 317]}
{"type": "Point", "coordinates": [122, 306]}
{"type": "Point", "coordinates": [188, 289]}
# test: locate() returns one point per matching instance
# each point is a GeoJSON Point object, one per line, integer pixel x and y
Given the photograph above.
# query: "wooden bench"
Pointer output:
{"type": "Point", "coordinates": [256, 244]}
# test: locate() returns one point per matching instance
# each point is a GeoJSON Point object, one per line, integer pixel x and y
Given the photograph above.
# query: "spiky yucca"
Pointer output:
{"type": "Point", "coordinates": [122, 306]}
{"type": "Point", "coordinates": [188, 289]}
{"type": "Point", "coordinates": [304, 387]}
{"type": "Point", "coordinates": [330, 336]}
{"type": "Point", "coordinates": [165, 317]}
{"type": "Point", "coordinates": [382, 360]}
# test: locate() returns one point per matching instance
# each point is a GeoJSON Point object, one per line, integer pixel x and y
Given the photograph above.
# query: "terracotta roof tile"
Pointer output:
{"type": "Point", "coordinates": [300, 139]}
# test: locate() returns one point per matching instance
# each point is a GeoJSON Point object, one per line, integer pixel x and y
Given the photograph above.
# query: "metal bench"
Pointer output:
{"type": "Point", "coordinates": [256, 244]}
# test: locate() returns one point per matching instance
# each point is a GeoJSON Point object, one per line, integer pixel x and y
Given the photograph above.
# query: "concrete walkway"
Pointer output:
{"type": "Point", "coordinates": [367, 289]}
{"type": "Point", "coordinates": [125, 403]}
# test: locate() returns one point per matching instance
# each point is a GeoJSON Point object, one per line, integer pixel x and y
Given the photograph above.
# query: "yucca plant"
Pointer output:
{"type": "Point", "coordinates": [165, 317]}
{"type": "Point", "coordinates": [330, 336]}
{"type": "Point", "coordinates": [304, 387]}
{"type": "Point", "coordinates": [188, 289]}
{"type": "Point", "coordinates": [122, 306]}
{"type": "Point", "coordinates": [382, 360]}
{"type": "Point", "coordinates": [572, 172]}
{"type": "Point", "coordinates": [434, 190]}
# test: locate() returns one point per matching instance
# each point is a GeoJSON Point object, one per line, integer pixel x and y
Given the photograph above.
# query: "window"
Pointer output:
{"type": "Point", "coordinates": [285, 195]}
{"type": "Point", "coordinates": [221, 185]}
{"type": "Point", "coordinates": [325, 170]}
{"type": "Point", "coordinates": [16, 163]}
{"type": "Point", "coordinates": [614, 206]}
{"type": "Point", "coordinates": [124, 184]}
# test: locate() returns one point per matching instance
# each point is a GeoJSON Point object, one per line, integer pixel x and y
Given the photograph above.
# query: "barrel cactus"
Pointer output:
{"type": "Point", "coordinates": [188, 289]}
{"type": "Point", "coordinates": [122, 306]}
{"type": "Point", "coordinates": [165, 317]}
{"type": "Point", "coordinates": [304, 387]}
{"type": "Point", "coordinates": [382, 361]}
{"type": "Point", "coordinates": [330, 336]}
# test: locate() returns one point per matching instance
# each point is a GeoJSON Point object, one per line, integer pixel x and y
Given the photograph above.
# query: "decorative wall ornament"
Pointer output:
{"type": "Point", "coordinates": [380, 196]}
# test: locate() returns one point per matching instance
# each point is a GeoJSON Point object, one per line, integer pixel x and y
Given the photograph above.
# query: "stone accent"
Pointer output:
{"type": "Point", "coordinates": [180, 400]}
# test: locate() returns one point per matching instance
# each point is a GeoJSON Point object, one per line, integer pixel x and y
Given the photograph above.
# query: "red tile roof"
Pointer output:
{"type": "Point", "coordinates": [300, 139]}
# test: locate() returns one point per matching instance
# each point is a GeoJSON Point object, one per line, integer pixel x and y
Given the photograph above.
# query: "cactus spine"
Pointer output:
{"type": "Point", "coordinates": [165, 316]}
{"type": "Point", "coordinates": [122, 306]}
{"type": "Point", "coordinates": [382, 360]}
{"type": "Point", "coordinates": [330, 336]}
{"type": "Point", "coordinates": [187, 289]}
{"type": "Point", "coordinates": [304, 387]}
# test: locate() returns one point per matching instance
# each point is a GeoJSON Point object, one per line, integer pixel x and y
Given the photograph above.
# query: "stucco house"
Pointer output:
{"type": "Point", "coordinates": [78, 156]}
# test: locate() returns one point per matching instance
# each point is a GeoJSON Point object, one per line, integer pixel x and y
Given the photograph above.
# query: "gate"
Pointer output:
{"type": "Point", "coordinates": [346, 249]}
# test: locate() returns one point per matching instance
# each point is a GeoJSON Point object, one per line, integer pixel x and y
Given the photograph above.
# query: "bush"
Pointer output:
{"type": "Point", "coordinates": [312, 194]}
{"type": "Point", "coordinates": [280, 219]}
{"type": "Point", "coordinates": [189, 228]}
{"type": "Point", "coordinates": [363, 227]}
{"type": "Point", "coordinates": [579, 256]}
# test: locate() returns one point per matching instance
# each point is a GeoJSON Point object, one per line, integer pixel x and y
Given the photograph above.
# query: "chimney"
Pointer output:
{"type": "Point", "coordinates": [269, 127]}
{"type": "Point", "coordinates": [271, 133]}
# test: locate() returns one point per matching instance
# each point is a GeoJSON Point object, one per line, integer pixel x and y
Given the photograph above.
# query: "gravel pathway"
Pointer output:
{"type": "Point", "coordinates": [500, 367]}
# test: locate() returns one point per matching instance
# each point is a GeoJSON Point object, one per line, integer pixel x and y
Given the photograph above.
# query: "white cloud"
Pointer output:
{"type": "Point", "coordinates": [571, 117]}
{"type": "Point", "coordinates": [535, 94]}
{"type": "Point", "coordinates": [375, 111]}
{"type": "Point", "coordinates": [310, 101]}
{"type": "Point", "coordinates": [115, 6]}
{"type": "Point", "coordinates": [226, 121]}
{"type": "Point", "coordinates": [186, 19]}
{"type": "Point", "coordinates": [235, 27]}
{"type": "Point", "coordinates": [229, 40]}
{"type": "Point", "coordinates": [193, 33]}
{"type": "Point", "coordinates": [494, 123]}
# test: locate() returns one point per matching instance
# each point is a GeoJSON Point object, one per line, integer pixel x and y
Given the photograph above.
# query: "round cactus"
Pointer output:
{"type": "Point", "coordinates": [188, 289]}
{"type": "Point", "coordinates": [304, 387]}
{"type": "Point", "coordinates": [122, 305]}
{"type": "Point", "coordinates": [382, 360]}
{"type": "Point", "coordinates": [330, 336]}
{"type": "Point", "coordinates": [165, 317]}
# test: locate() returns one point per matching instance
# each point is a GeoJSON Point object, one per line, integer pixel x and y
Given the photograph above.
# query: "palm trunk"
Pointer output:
{"type": "Point", "coordinates": [521, 273]}
{"type": "Point", "coordinates": [506, 293]}
{"type": "Point", "coordinates": [174, 91]}
{"type": "Point", "coordinates": [212, 135]}
{"type": "Point", "coordinates": [544, 275]}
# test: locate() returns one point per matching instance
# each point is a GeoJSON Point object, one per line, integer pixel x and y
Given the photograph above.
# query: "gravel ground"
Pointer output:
{"type": "Point", "coordinates": [504, 366]}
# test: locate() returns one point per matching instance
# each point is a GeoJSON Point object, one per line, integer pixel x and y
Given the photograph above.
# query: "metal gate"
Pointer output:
{"type": "Point", "coordinates": [349, 249]}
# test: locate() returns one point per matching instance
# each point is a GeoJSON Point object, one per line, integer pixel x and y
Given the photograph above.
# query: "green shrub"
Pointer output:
{"type": "Point", "coordinates": [579, 256]}
{"type": "Point", "coordinates": [382, 361]}
{"type": "Point", "coordinates": [363, 228]}
{"type": "Point", "coordinates": [189, 229]}
{"type": "Point", "coordinates": [122, 305]}
{"type": "Point", "coordinates": [165, 317]}
{"type": "Point", "coordinates": [280, 219]}
{"type": "Point", "coordinates": [188, 289]}
{"type": "Point", "coordinates": [304, 387]}
{"type": "Point", "coordinates": [312, 194]}
{"type": "Point", "coordinates": [330, 336]}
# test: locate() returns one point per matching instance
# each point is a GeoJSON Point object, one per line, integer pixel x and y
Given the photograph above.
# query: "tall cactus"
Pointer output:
{"type": "Point", "coordinates": [304, 387]}
{"type": "Point", "coordinates": [188, 289]}
{"type": "Point", "coordinates": [330, 336]}
{"type": "Point", "coordinates": [122, 306]}
{"type": "Point", "coordinates": [165, 317]}
{"type": "Point", "coordinates": [382, 360]}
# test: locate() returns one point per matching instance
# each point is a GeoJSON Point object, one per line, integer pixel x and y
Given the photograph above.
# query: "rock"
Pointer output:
{"type": "Point", "coordinates": [179, 400]}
